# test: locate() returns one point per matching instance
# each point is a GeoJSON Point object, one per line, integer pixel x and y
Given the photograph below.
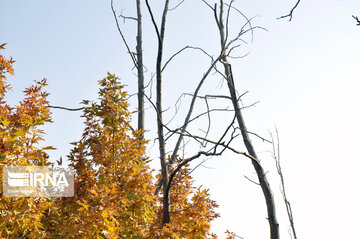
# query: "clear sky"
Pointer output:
{"type": "Point", "coordinates": [305, 73]}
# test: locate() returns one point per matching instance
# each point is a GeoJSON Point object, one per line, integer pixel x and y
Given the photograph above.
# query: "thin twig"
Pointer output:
{"type": "Point", "coordinates": [276, 156]}
{"type": "Point", "coordinates": [357, 20]}
{"type": "Point", "coordinates": [65, 108]}
{"type": "Point", "coordinates": [170, 9]}
{"type": "Point", "coordinates": [122, 35]}
{"type": "Point", "coordinates": [290, 15]}
{"type": "Point", "coordinates": [183, 49]}
{"type": "Point", "coordinates": [252, 180]}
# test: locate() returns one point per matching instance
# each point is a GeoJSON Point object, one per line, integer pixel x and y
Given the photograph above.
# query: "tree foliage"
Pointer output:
{"type": "Point", "coordinates": [114, 184]}
{"type": "Point", "coordinates": [20, 136]}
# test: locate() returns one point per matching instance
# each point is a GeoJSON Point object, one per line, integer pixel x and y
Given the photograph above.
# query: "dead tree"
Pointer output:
{"type": "Point", "coordinates": [220, 145]}
{"type": "Point", "coordinates": [140, 68]}
{"type": "Point", "coordinates": [226, 47]}
{"type": "Point", "coordinates": [165, 166]}
{"type": "Point", "coordinates": [160, 33]}
{"type": "Point", "coordinates": [137, 59]}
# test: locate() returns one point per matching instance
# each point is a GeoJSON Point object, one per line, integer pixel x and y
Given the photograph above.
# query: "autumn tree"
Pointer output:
{"type": "Point", "coordinates": [114, 187]}
{"type": "Point", "coordinates": [191, 209]}
{"type": "Point", "coordinates": [20, 138]}
{"type": "Point", "coordinates": [114, 184]}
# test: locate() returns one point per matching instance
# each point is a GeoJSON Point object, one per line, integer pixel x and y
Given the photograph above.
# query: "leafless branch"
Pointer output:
{"type": "Point", "coordinates": [262, 138]}
{"type": "Point", "coordinates": [239, 57]}
{"type": "Point", "coordinates": [209, 117]}
{"type": "Point", "coordinates": [208, 111]}
{"type": "Point", "coordinates": [207, 153]}
{"type": "Point", "coordinates": [153, 19]}
{"type": "Point", "coordinates": [357, 20]}
{"type": "Point", "coordinates": [191, 171]}
{"type": "Point", "coordinates": [290, 15]}
{"type": "Point", "coordinates": [65, 108]}
{"type": "Point", "coordinates": [183, 49]}
{"type": "Point", "coordinates": [122, 35]}
{"type": "Point", "coordinates": [241, 33]}
{"type": "Point", "coordinates": [126, 17]}
{"type": "Point", "coordinates": [276, 156]}
{"type": "Point", "coordinates": [192, 104]}
{"type": "Point", "coordinates": [207, 4]}
{"type": "Point", "coordinates": [220, 142]}
{"type": "Point", "coordinates": [251, 180]}
{"type": "Point", "coordinates": [210, 96]}
{"type": "Point", "coordinates": [177, 5]}
{"type": "Point", "coordinates": [234, 47]}
{"type": "Point", "coordinates": [248, 21]}
{"type": "Point", "coordinates": [171, 133]}
{"type": "Point", "coordinates": [153, 104]}
{"type": "Point", "coordinates": [227, 20]}
{"type": "Point", "coordinates": [210, 152]}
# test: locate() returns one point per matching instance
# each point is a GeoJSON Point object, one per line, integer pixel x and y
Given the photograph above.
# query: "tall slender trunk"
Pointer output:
{"type": "Point", "coordinates": [164, 167]}
{"type": "Point", "coordinates": [140, 70]}
{"type": "Point", "coordinates": [160, 126]}
{"type": "Point", "coordinates": [269, 198]}
{"type": "Point", "coordinates": [270, 204]}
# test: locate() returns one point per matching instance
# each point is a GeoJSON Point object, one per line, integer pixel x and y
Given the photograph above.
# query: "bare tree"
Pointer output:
{"type": "Point", "coordinates": [137, 59]}
{"type": "Point", "coordinates": [226, 46]}
{"type": "Point", "coordinates": [160, 127]}
{"type": "Point", "coordinates": [210, 147]}
{"type": "Point", "coordinates": [140, 68]}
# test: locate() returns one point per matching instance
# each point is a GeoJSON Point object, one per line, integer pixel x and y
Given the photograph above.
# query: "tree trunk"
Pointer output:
{"type": "Point", "coordinates": [274, 226]}
{"type": "Point", "coordinates": [270, 204]}
{"type": "Point", "coordinates": [160, 126]}
{"type": "Point", "coordinates": [140, 70]}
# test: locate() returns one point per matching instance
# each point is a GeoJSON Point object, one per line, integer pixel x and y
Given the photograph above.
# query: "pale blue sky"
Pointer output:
{"type": "Point", "coordinates": [305, 73]}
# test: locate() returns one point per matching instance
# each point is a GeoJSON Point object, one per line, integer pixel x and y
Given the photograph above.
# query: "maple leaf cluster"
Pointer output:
{"type": "Point", "coordinates": [20, 134]}
{"type": "Point", "coordinates": [114, 185]}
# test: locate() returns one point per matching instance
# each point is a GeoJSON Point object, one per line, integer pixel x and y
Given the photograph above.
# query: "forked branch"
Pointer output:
{"type": "Point", "coordinates": [290, 15]}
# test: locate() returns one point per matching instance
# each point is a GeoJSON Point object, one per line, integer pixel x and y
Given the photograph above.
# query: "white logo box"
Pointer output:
{"type": "Point", "coordinates": [38, 181]}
